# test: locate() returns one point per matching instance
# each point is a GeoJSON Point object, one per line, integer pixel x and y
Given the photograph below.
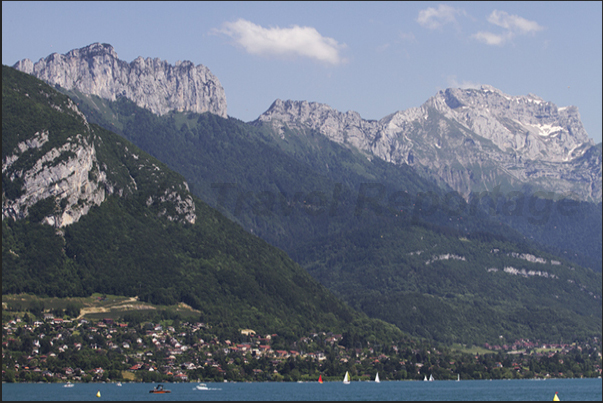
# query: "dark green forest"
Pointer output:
{"type": "Point", "coordinates": [295, 187]}
{"type": "Point", "coordinates": [128, 247]}
{"type": "Point", "coordinates": [451, 288]}
{"type": "Point", "coordinates": [356, 225]}
{"type": "Point", "coordinates": [328, 206]}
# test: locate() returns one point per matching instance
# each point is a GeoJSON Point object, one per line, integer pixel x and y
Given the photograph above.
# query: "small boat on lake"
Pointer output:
{"type": "Point", "coordinates": [346, 379]}
{"type": "Point", "coordinates": [431, 378]}
{"type": "Point", "coordinates": [201, 386]}
{"type": "Point", "coordinates": [377, 378]}
{"type": "Point", "coordinates": [320, 378]}
{"type": "Point", "coordinates": [425, 378]}
{"type": "Point", "coordinates": [159, 389]}
{"type": "Point", "coordinates": [118, 383]}
{"type": "Point", "coordinates": [68, 385]}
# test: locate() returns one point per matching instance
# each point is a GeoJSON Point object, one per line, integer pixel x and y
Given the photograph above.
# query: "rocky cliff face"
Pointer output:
{"type": "Point", "coordinates": [473, 140]}
{"type": "Point", "coordinates": [52, 162]}
{"type": "Point", "coordinates": [150, 83]}
{"type": "Point", "coordinates": [61, 172]}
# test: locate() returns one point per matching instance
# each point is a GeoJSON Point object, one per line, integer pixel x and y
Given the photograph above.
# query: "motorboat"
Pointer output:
{"type": "Point", "coordinates": [159, 389]}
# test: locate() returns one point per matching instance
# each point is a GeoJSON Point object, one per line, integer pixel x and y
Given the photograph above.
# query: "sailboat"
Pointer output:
{"type": "Point", "coordinates": [431, 378]}
{"type": "Point", "coordinates": [458, 377]}
{"type": "Point", "coordinates": [320, 378]}
{"type": "Point", "coordinates": [377, 378]}
{"type": "Point", "coordinates": [346, 379]}
{"type": "Point", "coordinates": [425, 378]}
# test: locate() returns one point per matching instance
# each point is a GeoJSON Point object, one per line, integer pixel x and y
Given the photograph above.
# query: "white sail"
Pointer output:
{"type": "Point", "coordinates": [377, 378]}
{"type": "Point", "coordinates": [346, 379]}
{"type": "Point", "coordinates": [430, 377]}
{"type": "Point", "coordinates": [425, 378]}
{"type": "Point", "coordinates": [458, 377]}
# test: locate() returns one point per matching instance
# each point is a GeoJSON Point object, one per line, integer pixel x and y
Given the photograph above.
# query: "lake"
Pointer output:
{"type": "Point", "coordinates": [569, 389]}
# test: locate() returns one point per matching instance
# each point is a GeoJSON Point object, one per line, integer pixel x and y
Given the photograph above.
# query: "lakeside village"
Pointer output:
{"type": "Point", "coordinates": [59, 350]}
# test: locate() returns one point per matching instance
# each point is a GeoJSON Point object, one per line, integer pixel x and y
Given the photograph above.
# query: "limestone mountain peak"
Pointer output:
{"type": "Point", "coordinates": [473, 139]}
{"type": "Point", "coordinates": [150, 83]}
{"type": "Point", "coordinates": [94, 49]}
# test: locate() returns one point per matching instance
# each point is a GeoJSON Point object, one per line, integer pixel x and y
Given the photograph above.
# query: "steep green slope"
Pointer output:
{"type": "Point", "coordinates": [287, 190]}
{"type": "Point", "coordinates": [440, 285]}
{"type": "Point", "coordinates": [129, 245]}
{"type": "Point", "coordinates": [553, 222]}
{"type": "Point", "coordinates": [567, 228]}
{"type": "Point", "coordinates": [263, 180]}
{"type": "Point", "coordinates": [328, 205]}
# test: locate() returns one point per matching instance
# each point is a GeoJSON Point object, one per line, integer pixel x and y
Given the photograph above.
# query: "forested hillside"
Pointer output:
{"type": "Point", "coordinates": [350, 221]}
{"type": "Point", "coordinates": [439, 284]}
{"type": "Point", "coordinates": [292, 187]}
{"type": "Point", "coordinates": [130, 246]}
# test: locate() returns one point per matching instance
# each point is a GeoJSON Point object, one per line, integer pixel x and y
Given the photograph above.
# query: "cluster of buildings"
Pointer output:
{"type": "Point", "coordinates": [525, 345]}
{"type": "Point", "coordinates": [148, 348]}
{"type": "Point", "coordinates": [54, 350]}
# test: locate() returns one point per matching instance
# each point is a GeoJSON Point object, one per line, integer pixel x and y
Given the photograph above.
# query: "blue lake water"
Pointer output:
{"type": "Point", "coordinates": [568, 389]}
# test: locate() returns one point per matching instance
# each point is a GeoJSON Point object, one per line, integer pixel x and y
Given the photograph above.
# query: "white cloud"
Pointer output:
{"type": "Point", "coordinates": [299, 41]}
{"type": "Point", "coordinates": [453, 82]}
{"type": "Point", "coordinates": [492, 39]}
{"type": "Point", "coordinates": [433, 18]}
{"type": "Point", "coordinates": [513, 25]}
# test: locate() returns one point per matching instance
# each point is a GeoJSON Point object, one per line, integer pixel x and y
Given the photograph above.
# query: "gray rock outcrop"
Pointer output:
{"type": "Point", "coordinates": [150, 83]}
{"type": "Point", "coordinates": [66, 174]}
{"type": "Point", "coordinates": [62, 173]}
{"type": "Point", "coordinates": [472, 139]}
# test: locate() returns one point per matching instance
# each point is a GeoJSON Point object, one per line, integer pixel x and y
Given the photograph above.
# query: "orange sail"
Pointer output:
{"type": "Point", "coordinates": [320, 378]}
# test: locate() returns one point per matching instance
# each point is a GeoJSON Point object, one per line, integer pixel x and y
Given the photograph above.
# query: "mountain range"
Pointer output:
{"type": "Point", "coordinates": [471, 139]}
{"type": "Point", "coordinates": [474, 140]}
{"type": "Point", "coordinates": [387, 214]}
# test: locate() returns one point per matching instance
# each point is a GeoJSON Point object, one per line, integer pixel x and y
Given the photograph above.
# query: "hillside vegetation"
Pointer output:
{"type": "Point", "coordinates": [444, 286]}
{"type": "Point", "coordinates": [294, 186]}
{"type": "Point", "coordinates": [128, 246]}
{"type": "Point", "coordinates": [351, 220]}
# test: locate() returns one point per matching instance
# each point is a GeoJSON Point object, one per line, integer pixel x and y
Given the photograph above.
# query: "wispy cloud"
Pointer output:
{"type": "Point", "coordinates": [294, 41]}
{"type": "Point", "coordinates": [490, 38]}
{"type": "Point", "coordinates": [513, 25]}
{"type": "Point", "coordinates": [434, 18]}
{"type": "Point", "coordinates": [453, 82]}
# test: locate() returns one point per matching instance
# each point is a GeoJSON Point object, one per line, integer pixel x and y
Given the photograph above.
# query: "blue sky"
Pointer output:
{"type": "Point", "coordinates": [371, 57]}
